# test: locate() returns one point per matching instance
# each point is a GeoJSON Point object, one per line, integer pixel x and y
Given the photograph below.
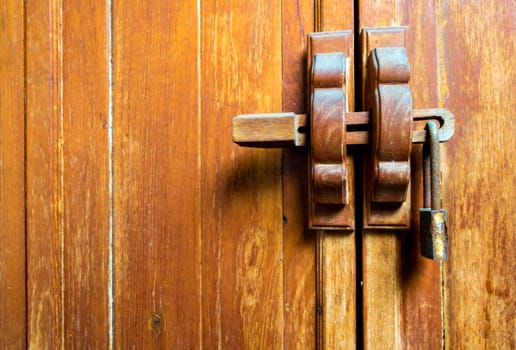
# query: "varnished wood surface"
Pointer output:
{"type": "Point", "coordinates": [299, 288]}
{"type": "Point", "coordinates": [241, 199]}
{"type": "Point", "coordinates": [44, 191]}
{"type": "Point", "coordinates": [12, 187]}
{"type": "Point", "coordinates": [476, 53]}
{"type": "Point", "coordinates": [168, 194]}
{"type": "Point", "coordinates": [200, 255]}
{"type": "Point", "coordinates": [156, 169]}
{"type": "Point", "coordinates": [399, 285]}
{"type": "Point", "coordinates": [67, 175]}
{"type": "Point", "coordinates": [85, 174]}
{"type": "Point", "coordinates": [299, 256]}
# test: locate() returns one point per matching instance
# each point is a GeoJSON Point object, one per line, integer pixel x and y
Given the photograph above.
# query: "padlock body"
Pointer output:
{"type": "Point", "coordinates": [433, 233]}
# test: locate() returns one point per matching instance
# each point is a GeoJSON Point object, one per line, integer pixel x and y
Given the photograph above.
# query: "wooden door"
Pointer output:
{"type": "Point", "coordinates": [128, 219]}
{"type": "Point", "coordinates": [466, 302]}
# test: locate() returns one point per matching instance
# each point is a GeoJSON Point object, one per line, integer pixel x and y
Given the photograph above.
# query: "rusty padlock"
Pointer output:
{"type": "Point", "coordinates": [432, 219]}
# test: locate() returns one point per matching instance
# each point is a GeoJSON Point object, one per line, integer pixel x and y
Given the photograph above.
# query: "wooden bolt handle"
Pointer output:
{"type": "Point", "coordinates": [290, 130]}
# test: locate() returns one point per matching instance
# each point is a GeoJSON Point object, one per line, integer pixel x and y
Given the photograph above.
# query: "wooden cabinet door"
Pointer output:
{"type": "Point", "coordinates": [129, 219]}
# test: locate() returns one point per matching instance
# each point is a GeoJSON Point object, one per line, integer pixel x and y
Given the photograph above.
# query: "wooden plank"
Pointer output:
{"type": "Point", "coordinates": [402, 303]}
{"type": "Point", "coordinates": [43, 170]}
{"type": "Point", "coordinates": [299, 256]}
{"type": "Point", "coordinates": [476, 81]}
{"type": "Point", "coordinates": [67, 183]}
{"type": "Point", "coordinates": [336, 255]}
{"type": "Point", "coordinates": [242, 241]}
{"type": "Point", "coordinates": [298, 243]}
{"type": "Point", "coordinates": [156, 174]}
{"type": "Point", "coordinates": [85, 173]}
{"type": "Point", "coordinates": [381, 252]}
{"type": "Point", "coordinates": [12, 175]}
{"type": "Point", "coordinates": [382, 289]}
{"type": "Point", "coordinates": [421, 322]}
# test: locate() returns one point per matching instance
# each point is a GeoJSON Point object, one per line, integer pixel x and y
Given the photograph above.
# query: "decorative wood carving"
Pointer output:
{"type": "Point", "coordinates": [384, 170]}
{"type": "Point", "coordinates": [389, 99]}
{"type": "Point", "coordinates": [328, 129]}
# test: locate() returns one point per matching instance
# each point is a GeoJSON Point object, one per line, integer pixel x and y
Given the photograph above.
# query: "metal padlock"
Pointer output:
{"type": "Point", "coordinates": [432, 219]}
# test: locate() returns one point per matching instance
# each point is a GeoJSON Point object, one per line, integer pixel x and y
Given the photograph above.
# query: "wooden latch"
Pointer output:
{"type": "Point", "coordinates": [389, 125]}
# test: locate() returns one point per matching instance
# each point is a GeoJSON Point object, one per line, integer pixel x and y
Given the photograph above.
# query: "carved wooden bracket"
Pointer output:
{"type": "Point", "coordinates": [328, 129]}
{"type": "Point", "coordinates": [389, 100]}
{"type": "Point", "coordinates": [386, 75]}
{"type": "Point", "coordinates": [331, 194]}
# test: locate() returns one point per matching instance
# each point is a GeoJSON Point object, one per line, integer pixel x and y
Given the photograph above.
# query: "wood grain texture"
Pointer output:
{"type": "Point", "coordinates": [399, 285]}
{"type": "Point", "coordinates": [67, 183]}
{"type": "Point", "coordinates": [476, 80]}
{"type": "Point", "coordinates": [299, 255]}
{"type": "Point", "coordinates": [336, 270]}
{"type": "Point", "coordinates": [331, 15]}
{"type": "Point", "coordinates": [242, 241]}
{"type": "Point", "coordinates": [44, 189]}
{"type": "Point", "coordinates": [85, 173]}
{"type": "Point", "coordinates": [298, 242]}
{"type": "Point", "coordinates": [12, 187]}
{"type": "Point", "coordinates": [382, 290]}
{"type": "Point", "coordinates": [156, 175]}
{"type": "Point", "coordinates": [336, 255]}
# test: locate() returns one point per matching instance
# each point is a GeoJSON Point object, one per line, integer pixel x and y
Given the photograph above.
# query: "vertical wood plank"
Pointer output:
{"type": "Point", "coordinates": [84, 173]}
{"type": "Point", "coordinates": [381, 252]}
{"type": "Point", "coordinates": [67, 182]}
{"type": "Point", "coordinates": [242, 236]}
{"type": "Point", "coordinates": [402, 295]}
{"type": "Point", "coordinates": [382, 289]}
{"type": "Point", "coordinates": [156, 175]}
{"type": "Point", "coordinates": [299, 243]}
{"type": "Point", "coordinates": [476, 81]}
{"type": "Point", "coordinates": [336, 254]}
{"type": "Point", "coordinates": [12, 175]}
{"type": "Point", "coordinates": [421, 283]}
{"type": "Point", "coordinates": [44, 191]}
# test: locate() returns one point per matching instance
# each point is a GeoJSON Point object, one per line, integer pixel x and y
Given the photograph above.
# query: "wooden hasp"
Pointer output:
{"type": "Point", "coordinates": [328, 129]}
{"type": "Point", "coordinates": [390, 101]}
{"type": "Point", "coordinates": [389, 125]}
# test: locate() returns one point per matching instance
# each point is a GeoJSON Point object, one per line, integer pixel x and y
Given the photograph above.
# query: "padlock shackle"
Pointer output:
{"type": "Point", "coordinates": [432, 172]}
{"type": "Point", "coordinates": [432, 219]}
